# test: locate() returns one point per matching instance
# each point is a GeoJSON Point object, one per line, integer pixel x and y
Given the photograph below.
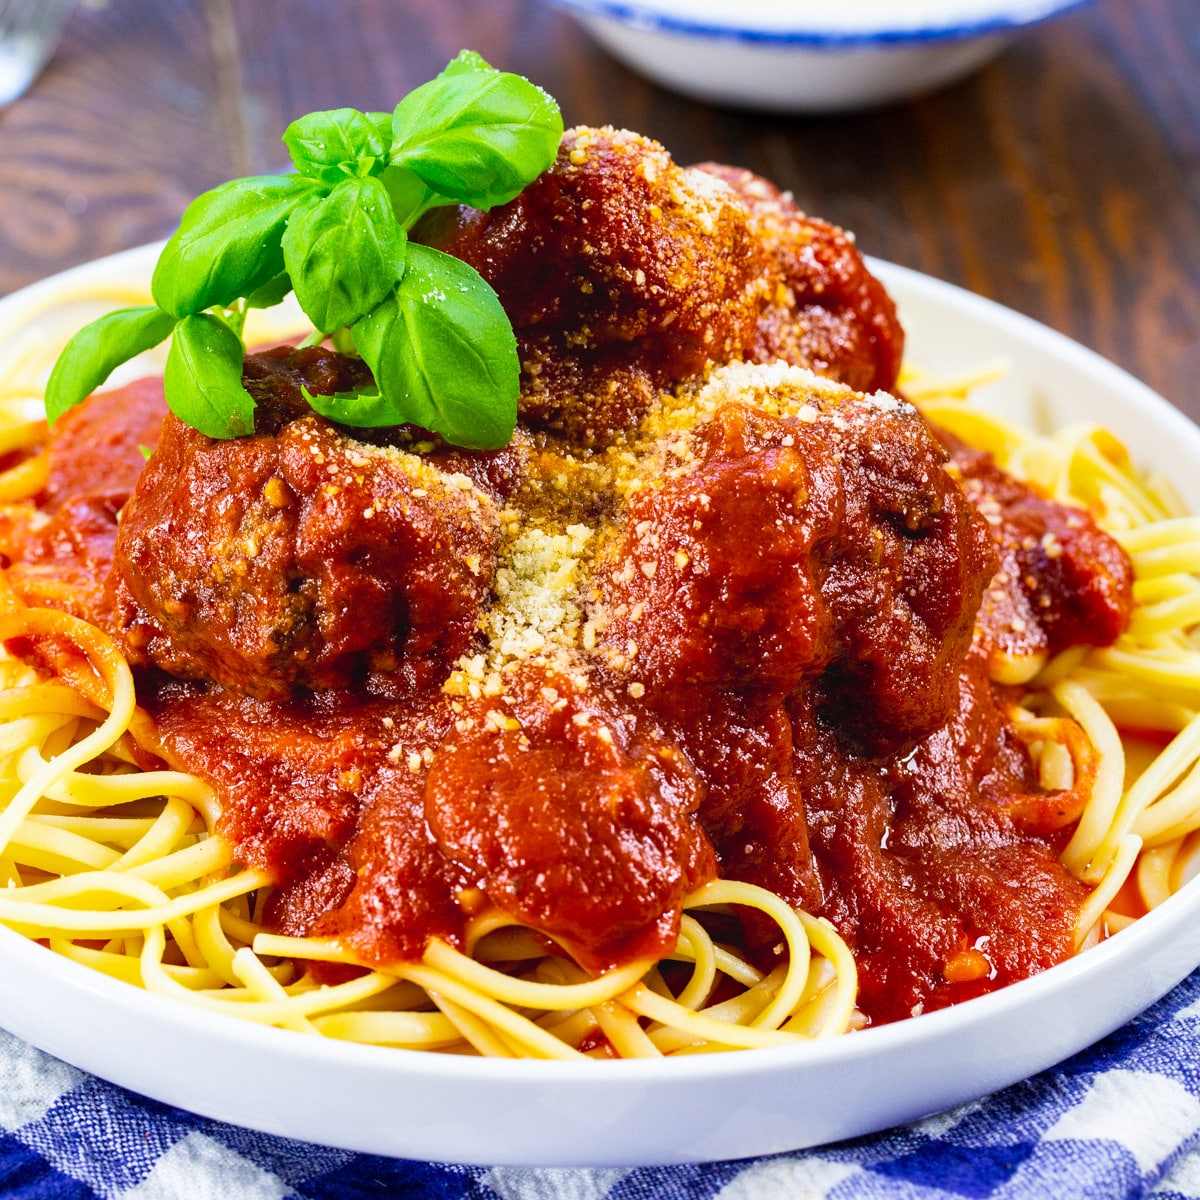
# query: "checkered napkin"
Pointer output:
{"type": "Point", "coordinates": [1121, 1119]}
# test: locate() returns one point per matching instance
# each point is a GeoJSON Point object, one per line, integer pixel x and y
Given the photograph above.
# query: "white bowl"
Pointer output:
{"type": "Point", "coordinates": [416, 1104]}
{"type": "Point", "coordinates": [807, 55]}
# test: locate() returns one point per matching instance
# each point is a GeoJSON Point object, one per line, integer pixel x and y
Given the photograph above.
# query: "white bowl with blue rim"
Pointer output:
{"type": "Point", "coordinates": [807, 55]}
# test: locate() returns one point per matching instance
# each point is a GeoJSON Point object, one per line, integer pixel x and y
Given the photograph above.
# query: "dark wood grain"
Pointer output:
{"type": "Point", "coordinates": [1062, 180]}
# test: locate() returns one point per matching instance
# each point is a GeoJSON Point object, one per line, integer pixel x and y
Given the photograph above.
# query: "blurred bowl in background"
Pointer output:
{"type": "Point", "coordinates": [807, 56]}
{"type": "Point", "coordinates": [29, 34]}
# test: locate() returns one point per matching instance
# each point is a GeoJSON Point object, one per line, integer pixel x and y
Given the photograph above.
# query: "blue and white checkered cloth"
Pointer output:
{"type": "Point", "coordinates": [1121, 1119]}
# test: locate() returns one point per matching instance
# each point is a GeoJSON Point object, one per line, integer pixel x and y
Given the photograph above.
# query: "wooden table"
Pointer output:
{"type": "Point", "coordinates": [1062, 180]}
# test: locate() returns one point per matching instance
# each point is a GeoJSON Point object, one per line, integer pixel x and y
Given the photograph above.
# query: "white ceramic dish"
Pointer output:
{"type": "Point", "coordinates": [806, 56]}
{"type": "Point", "coordinates": [420, 1105]}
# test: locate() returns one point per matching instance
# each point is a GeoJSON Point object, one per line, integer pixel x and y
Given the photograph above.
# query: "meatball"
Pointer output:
{"type": "Point", "coordinates": [802, 534]}
{"type": "Point", "coordinates": [300, 559]}
{"type": "Point", "coordinates": [624, 273]}
{"type": "Point", "coordinates": [715, 576]}
{"type": "Point", "coordinates": [1062, 580]}
{"type": "Point", "coordinates": [905, 577]}
{"type": "Point", "coordinates": [832, 315]}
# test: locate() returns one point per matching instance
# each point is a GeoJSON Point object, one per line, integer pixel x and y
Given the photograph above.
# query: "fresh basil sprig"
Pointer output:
{"type": "Point", "coordinates": [335, 231]}
{"type": "Point", "coordinates": [432, 346]}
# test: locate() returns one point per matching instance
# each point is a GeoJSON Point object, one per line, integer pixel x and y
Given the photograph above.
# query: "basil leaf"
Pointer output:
{"type": "Point", "coordinates": [331, 145]}
{"type": "Point", "coordinates": [443, 352]}
{"type": "Point", "coordinates": [476, 135]}
{"type": "Point", "coordinates": [369, 409]}
{"type": "Point", "coordinates": [98, 349]}
{"type": "Point", "coordinates": [468, 62]}
{"type": "Point", "coordinates": [227, 244]}
{"type": "Point", "coordinates": [203, 378]}
{"type": "Point", "coordinates": [408, 194]}
{"type": "Point", "coordinates": [273, 292]}
{"type": "Point", "coordinates": [383, 123]}
{"type": "Point", "coordinates": [344, 252]}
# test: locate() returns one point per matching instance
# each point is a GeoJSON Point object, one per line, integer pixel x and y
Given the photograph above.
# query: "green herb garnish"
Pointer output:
{"type": "Point", "coordinates": [335, 232]}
